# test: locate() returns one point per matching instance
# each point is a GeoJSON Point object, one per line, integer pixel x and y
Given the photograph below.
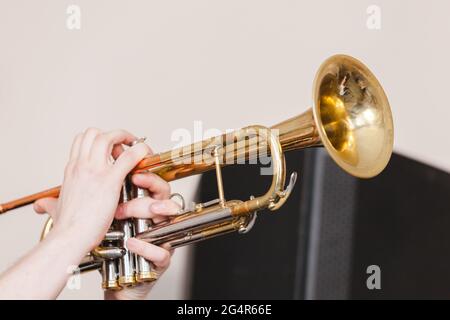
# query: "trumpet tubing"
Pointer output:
{"type": "Point", "coordinates": [350, 118]}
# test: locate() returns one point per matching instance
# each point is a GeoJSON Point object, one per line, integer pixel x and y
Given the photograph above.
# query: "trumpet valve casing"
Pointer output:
{"type": "Point", "coordinates": [144, 269]}
{"type": "Point", "coordinates": [127, 276]}
{"type": "Point", "coordinates": [110, 275]}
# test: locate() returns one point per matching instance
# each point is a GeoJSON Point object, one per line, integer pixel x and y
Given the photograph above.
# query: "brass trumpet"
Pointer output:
{"type": "Point", "coordinates": [350, 117]}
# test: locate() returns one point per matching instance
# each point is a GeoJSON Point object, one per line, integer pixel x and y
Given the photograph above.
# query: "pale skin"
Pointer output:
{"type": "Point", "coordinates": [82, 214]}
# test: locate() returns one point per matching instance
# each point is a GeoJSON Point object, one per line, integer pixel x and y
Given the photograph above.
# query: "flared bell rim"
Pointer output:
{"type": "Point", "coordinates": [372, 162]}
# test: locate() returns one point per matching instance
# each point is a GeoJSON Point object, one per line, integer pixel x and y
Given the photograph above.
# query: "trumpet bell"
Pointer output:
{"type": "Point", "coordinates": [353, 117]}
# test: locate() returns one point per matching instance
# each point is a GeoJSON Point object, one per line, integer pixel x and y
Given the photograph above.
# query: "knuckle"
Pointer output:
{"type": "Point", "coordinates": [113, 133]}
{"type": "Point", "coordinates": [162, 256]}
{"type": "Point", "coordinates": [92, 130]}
{"type": "Point", "coordinates": [78, 167]}
{"type": "Point", "coordinates": [142, 149]}
{"type": "Point", "coordinates": [78, 136]}
{"type": "Point", "coordinates": [118, 134]}
{"type": "Point", "coordinates": [76, 170]}
{"type": "Point", "coordinates": [166, 256]}
{"type": "Point", "coordinates": [165, 261]}
{"type": "Point", "coordinates": [84, 169]}
{"type": "Point", "coordinates": [101, 139]}
{"type": "Point", "coordinates": [138, 152]}
{"type": "Point", "coordinates": [121, 132]}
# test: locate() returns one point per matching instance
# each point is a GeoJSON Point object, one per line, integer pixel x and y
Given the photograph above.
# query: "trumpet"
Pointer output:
{"type": "Point", "coordinates": [350, 117]}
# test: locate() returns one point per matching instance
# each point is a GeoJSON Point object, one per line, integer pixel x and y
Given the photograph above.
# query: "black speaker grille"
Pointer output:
{"type": "Point", "coordinates": [329, 262]}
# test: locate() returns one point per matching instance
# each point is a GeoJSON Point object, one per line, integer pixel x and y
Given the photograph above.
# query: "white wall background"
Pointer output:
{"type": "Point", "coordinates": [155, 66]}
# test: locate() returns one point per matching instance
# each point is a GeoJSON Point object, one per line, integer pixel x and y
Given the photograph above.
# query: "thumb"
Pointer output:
{"type": "Point", "coordinates": [46, 205]}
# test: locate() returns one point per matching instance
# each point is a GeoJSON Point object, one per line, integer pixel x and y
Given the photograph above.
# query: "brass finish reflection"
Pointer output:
{"type": "Point", "coordinates": [353, 116]}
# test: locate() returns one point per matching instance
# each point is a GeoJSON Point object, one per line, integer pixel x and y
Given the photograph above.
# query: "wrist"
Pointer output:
{"type": "Point", "coordinates": [71, 240]}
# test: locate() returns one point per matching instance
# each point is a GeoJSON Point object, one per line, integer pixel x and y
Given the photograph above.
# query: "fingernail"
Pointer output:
{"type": "Point", "coordinates": [158, 207]}
{"type": "Point", "coordinates": [137, 176]}
{"type": "Point", "coordinates": [139, 140]}
{"type": "Point", "coordinates": [37, 207]}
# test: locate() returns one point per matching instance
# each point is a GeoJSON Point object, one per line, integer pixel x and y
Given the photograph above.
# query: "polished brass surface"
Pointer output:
{"type": "Point", "coordinates": [127, 281]}
{"type": "Point", "coordinates": [353, 116]}
{"type": "Point", "coordinates": [47, 227]}
{"type": "Point", "coordinates": [147, 276]}
{"type": "Point", "coordinates": [111, 285]}
{"type": "Point", "coordinates": [110, 275]}
{"type": "Point", "coordinates": [350, 117]}
{"type": "Point", "coordinates": [17, 203]}
{"type": "Point", "coordinates": [216, 154]}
